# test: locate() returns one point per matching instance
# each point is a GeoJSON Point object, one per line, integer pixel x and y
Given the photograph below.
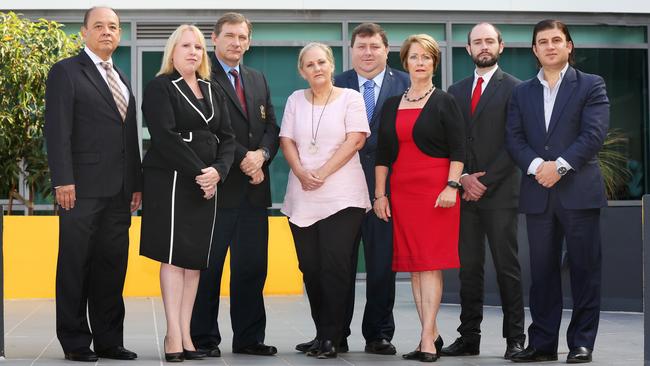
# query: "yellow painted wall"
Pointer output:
{"type": "Point", "coordinates": [31, 245]}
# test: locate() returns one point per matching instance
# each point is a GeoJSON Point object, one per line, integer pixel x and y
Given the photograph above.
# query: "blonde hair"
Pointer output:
{"type": "Point", "coordinates": [329, 55]}
{"type": "Point", "coordinates": [167, 66]}
{"type": "Point", "coordinates": [427, 42]}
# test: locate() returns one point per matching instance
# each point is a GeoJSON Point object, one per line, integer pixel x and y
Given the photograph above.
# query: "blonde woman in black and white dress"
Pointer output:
{"type": "Point", "coordinates": [192, 148]}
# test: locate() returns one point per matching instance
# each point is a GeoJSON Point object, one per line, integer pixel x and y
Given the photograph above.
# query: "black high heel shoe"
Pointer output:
{"type": "Point", "coordinates": [174, 356]}
{"type": "Point", "coordinates": [438, 344]}
{"type": "Point", "coordinates": [194, 355]}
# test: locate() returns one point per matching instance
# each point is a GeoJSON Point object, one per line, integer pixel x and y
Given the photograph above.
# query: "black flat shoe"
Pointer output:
{"type": "Point", "coordinates": [194, 355]}
{"type": "Point", "coordinates": [413, 355]}
{"type": "Point", "coordinates": [173, 356]}
{"type": "Point", "coordinates": [326, 350]}
{"type": "Point", "coordinates": [579, 355]}
{"type": "Point", "coordinates": [82, 355]}
{"type": "Point", "coordinates": [428, 357]}
{"type": "Point", "coordinates": [438, 344]}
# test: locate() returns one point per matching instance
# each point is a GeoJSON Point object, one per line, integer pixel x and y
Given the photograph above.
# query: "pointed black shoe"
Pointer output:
{"type": "Point", "coordinates": [428, 357]}
{"type": "Point", "coordinates": [461, 347]}
{"type": "Point", "coordinates": [415, 355]}
{"type": "Point", "coordinates": [579, 355]}
{"type": "Point", "coordinates": [531, 354]}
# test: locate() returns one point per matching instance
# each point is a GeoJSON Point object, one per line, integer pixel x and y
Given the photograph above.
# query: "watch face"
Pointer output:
{"type": "Point", "coordinates": [561, 170]}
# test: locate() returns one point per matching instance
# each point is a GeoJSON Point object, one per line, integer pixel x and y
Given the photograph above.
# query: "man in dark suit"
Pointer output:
{"type": "Point", "coordinates": [94, 158]}
{"type": "Point", "coordinates": [243, 198]}
{"type": "Point", "coordinates": [489, 206]}
{"type": "Point", "coordinates": [377, 82]}
{"type": "Point", "coordinates": [557, 122]}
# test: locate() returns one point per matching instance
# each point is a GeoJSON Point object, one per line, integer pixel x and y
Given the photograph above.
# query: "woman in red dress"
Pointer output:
{"type": "Point", "coordinates": [421, 141]}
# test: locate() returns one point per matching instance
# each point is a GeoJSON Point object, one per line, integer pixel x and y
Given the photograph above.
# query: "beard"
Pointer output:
{"type": "Point", "coordinates": [485, 62]}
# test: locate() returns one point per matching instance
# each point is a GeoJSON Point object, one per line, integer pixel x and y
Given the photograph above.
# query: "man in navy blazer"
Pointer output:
{"type": "Point", "coordinates": [377, 82]}
{"type": "Point", "coordinates": [557, 122]}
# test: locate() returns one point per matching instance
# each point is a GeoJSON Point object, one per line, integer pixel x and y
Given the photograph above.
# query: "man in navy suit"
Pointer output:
{"type": "Point", "coordinates": [377, 82]}
{"type": "Point", "coordinates": [557, 122]}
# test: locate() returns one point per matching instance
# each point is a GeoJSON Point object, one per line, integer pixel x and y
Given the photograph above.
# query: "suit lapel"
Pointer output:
{"type": "Point", "coordinates": [385, 91]}
{"type": "Point", "coordinates": [490, 90]}
{"type": "Point", "coordinates": [563, 96]}
{"type": "Point", "coordinates": [188, 95]}
{"type": "Point", "coordinates": [91, 72]}
{"type": "Point", "coordinates": [464, 101]}
{"type": "Point", "coordinates": [219, 75]}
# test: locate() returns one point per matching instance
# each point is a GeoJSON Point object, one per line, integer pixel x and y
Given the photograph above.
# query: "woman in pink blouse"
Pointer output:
{"type": "Point", "coordinates": [322, 130]}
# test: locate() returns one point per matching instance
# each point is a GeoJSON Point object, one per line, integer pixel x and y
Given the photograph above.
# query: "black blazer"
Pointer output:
{"type": "Point", "coordinates": [486, 131]}
{"type": "Point", "coordinates": [88, 145]}
{"type": "Point", "coordinates": [395, 82]}
{"type": "Point", "coordinates": [438, 130]}
{"type": "Point", "coordinates": [183, 136]}
{"type": "Point", "coordinates": [253, 131]}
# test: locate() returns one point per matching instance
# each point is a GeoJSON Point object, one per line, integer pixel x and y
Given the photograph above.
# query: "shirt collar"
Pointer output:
{"type": "Point", "coordinates": [379, 79]}
{"type": "Point", "coordinates": [540, 74]}
{"type": "Point", "coordinates": [227, 67]}
{"type": "Point", "coordinates": [96, 59]}
{"type": "Point", "coordinates": [487, 76]}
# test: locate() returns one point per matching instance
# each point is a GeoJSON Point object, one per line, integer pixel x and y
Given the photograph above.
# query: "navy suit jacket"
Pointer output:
{"type": "Point", "coordinates": [578, 126]}
{"type": "Point", "coordinates": [395, 82]}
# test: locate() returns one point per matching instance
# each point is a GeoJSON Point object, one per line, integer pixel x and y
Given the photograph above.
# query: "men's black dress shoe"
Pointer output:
{"type": "Point", "coordinates": [326, 350]}
{"type": "Point", "coordinates": [258, 349]}
{"type": "Point", "coordinates": [194, 355]}
{"type": "Point", "coordinates": [211, 350]}
{"type": "Point", "coordinates": [304, 347]}
{"type": "Point", "coordinates": [531, 354]}
{"type": "Point", "coordinates": [428, 357]}
{"type": "Point", "coordinates": [461, 347]}
{"type": "Point", "coordinates": [82, 354]}
{"type": "Point", "coordinates": [579, 355]}
{"type": "Point", "coordinates": [513, 347]}
{"type": "Point", "coordinates": [117, 353]}
{"type": "Point", "coordinates": [314, 344]}
{"type": "Point", "coordinates": [380, 347]}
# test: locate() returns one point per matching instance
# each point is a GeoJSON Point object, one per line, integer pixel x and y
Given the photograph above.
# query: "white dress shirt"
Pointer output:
{"type": "Point", "coordinates": [549, 102]}
{"type": "Point", "coordinates": [97, 61]}
{"type": "Point", "coordinates": [486, 79]}
{"type": "Point", "coordinates": [379, 79]}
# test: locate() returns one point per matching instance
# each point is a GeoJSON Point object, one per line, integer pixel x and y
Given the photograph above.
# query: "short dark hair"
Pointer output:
{"type": "Point", "coordinates": [89, 11]}
{"type": "Point", "coordinates": [369, 30]}
{"type": "Point", "coordinates": [499, 37]}
{"type": "Point", "coordinates": [547, 24]}
{"type": "Point", "coordinates": [232, 18]}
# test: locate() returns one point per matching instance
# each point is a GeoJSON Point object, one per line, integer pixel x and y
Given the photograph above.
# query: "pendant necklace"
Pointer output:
{"type": "Point", "coordinates": [313, 147]}
{"type": "Point", "coordinates": [418, 98]}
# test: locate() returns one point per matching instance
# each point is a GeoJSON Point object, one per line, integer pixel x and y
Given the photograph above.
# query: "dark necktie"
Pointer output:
{"type": "Point", "coordinates": [239, 90]}
{"type": "Point", "coordinates": [476, 95]}
{"type": "Point", "coordinates": [122, 106]}
{"type": "Point", "coordinates": [369, 98]}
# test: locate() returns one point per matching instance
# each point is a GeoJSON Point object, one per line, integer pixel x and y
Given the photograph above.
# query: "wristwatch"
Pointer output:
{"type": "Point", "coordinates": [265, 153]}
{"type": "Point", "coordinates": [562, 170]}
{"type": "Point", "coordinates": [454, 184]}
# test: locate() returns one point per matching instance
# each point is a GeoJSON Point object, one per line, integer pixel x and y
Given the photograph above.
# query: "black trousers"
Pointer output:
{"type": "Point", "coordinates": [90, 272]}
{"type": "Point", "coordinates": [326, 258]}
{"type": "Point", "coordinates": [378, 321]}
{"type": "Point", "coordinates": [500, 228]}
{"type": "Point", "coordinates": [246, 231]}
{"type": "Point", "coordinates": [581, 231]}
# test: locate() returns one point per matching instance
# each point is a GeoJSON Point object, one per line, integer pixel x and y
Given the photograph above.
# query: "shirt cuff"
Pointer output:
{"type": "Point", "coordinates": [532, 168]}
{"type": "Point", "coordinates": [562, 163]}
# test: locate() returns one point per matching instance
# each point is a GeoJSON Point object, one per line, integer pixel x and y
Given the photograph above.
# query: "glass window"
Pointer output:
{"type": "Point", "coordinates": [398, 32]}
{"type": "Point", "coordinates": [509, 32]}
{"type": "Point", "coordinates": [296, 32]}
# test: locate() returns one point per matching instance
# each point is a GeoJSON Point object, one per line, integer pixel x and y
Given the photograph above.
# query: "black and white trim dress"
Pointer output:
{"type": "Point", "coordinates": [187, 134]}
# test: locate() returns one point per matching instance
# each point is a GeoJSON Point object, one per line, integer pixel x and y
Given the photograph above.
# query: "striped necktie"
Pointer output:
{"type": "Point", "coordinates": [369, 98]}
{"type": "Point", "coordinates": [122, 106]}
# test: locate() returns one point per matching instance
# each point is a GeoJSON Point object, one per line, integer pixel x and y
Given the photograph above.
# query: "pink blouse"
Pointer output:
{"type": "Point", "coordinates": [344, 188]}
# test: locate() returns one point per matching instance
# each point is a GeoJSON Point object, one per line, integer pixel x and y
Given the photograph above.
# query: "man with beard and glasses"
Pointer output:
{"type": "Point", "coordinates": [490, 193]}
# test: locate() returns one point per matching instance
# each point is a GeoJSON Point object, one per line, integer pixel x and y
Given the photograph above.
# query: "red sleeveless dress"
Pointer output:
{"type": "Point", "coordinates": [425, 238]}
